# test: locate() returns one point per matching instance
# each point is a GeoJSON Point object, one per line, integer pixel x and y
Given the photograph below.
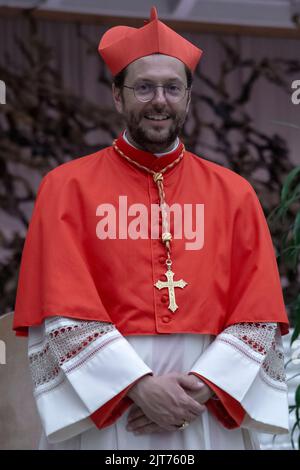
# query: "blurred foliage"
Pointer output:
{"type": "Point", "coordinates": [287, 216]}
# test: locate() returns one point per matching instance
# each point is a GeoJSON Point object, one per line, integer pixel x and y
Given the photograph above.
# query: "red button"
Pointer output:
{"type": "Point", "coordinates": [162, 259]}
{"type": "Point", "coordinates": [166, 319]}
{"type": "Point", "coordinates": [164, 298]}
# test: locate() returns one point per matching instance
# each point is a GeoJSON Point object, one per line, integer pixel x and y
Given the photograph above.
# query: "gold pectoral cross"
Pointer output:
{"type": "Point", "coordinates": [171, 284]}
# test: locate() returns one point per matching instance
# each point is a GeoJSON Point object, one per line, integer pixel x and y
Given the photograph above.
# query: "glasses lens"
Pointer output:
{"type": "Point", "coordinates": [174, 92]}
{"type": "Point", "coordinates": [144, 91]}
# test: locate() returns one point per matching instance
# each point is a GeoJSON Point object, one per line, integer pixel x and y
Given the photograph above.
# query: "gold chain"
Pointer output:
{"type": "Point", "coordinates": [158, 179]}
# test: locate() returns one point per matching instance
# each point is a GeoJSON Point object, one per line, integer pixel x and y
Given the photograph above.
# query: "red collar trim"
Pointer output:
{"type": "Point", "coordinates": [146, 158]}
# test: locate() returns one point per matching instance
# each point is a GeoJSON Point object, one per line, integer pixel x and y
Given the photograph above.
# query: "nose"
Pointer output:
{"type": "Point", "coordinates": [159, 96]}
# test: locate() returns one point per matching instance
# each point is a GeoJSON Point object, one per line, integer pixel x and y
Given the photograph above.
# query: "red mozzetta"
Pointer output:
{"type": "Point", "coordinates": [68, 270]}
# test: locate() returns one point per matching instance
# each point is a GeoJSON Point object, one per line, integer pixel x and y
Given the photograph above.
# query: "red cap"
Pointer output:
{"type": "Point", "coordinates": [121, 45]}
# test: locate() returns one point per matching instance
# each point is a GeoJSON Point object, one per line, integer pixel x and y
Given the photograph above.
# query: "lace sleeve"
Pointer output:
{"type": "Point", "coordinates": [261, 338]}
{"type": "Point", "coordinates": [245, 367]}
{"type": "Point", "coordinates": [81, 371]}
{"type": "Point", "coordinates": [62, 341]}
{"type": "Point", "coordinates": [272, 368]}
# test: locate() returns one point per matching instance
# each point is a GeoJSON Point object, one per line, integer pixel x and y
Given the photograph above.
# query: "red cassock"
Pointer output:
{"type": "Point", "coordinates": [67, 270]}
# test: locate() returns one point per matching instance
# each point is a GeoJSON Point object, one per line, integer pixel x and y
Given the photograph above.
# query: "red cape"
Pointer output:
{"type": "Point", "coordinates": [67, 270]}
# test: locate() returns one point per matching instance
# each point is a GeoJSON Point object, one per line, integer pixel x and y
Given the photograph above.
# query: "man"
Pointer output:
{"type": "Point", "coordinates": [140, 338]}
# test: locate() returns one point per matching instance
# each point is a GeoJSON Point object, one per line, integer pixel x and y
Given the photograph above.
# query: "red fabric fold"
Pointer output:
{"type": "Point", "coordinates": [227, 410]}
{"type": "Point", "coordinates": [114, 408]}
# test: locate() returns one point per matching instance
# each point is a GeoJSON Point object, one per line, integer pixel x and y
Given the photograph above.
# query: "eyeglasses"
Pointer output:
{"type": "Point", "coordinates": [145, 92]}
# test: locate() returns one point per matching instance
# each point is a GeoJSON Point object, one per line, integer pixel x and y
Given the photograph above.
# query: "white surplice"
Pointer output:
{"type": "Point", "coordinates": [71, 382]}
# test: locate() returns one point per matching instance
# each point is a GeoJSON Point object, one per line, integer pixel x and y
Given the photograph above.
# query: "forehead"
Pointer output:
{"type": "Point", "coordinates": [156, 67]}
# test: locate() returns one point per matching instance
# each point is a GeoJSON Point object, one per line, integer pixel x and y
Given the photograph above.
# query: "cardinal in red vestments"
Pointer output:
{"type": "Point", "coordinates": [148, 285]}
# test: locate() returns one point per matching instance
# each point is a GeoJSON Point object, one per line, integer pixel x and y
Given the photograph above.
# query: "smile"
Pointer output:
{"type": "Point", "coordinates": [157, 118]}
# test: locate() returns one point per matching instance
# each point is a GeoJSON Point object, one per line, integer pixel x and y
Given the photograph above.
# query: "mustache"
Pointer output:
{"type": "Point", "coordinates": [158, 111]}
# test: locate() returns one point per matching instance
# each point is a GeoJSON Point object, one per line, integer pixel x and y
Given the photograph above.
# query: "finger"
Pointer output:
{"type": "Point", "coordinates": [134, 407]}
{"type": "Point", "coordinates": [191, 382]}
{"type": "Point", "coordinates": [138, 423]}
{"type": "Point", "coordinates": [153, 428]}
{"type": "Point", "coordinates": [134, 413]}
{"type": "Point", "coordinates": [190, 417]}
{"type": "Point", "coordinates": [133, 419]}
{"type": "Point", "coordinates": [195, 407]}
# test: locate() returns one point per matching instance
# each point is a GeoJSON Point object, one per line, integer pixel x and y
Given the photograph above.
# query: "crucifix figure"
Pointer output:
{"type": "Point", "coordinates": [171, 284]}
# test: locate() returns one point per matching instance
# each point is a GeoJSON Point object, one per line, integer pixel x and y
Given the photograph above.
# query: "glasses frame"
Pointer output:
{"type": "Point", "coordinates": [156, 86]}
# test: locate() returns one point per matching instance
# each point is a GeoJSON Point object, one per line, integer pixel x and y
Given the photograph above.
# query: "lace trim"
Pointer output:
{"type": "Point", "coordinates": [264, 339]}
{"type": "Point", "coordinates": [253, 355]}
{"type": "Point", "coordinates": [273, 365]}
{"type": "Point", "coordinates": [258, 336]}
{"type": "Point", "coordinates": [63, 340]}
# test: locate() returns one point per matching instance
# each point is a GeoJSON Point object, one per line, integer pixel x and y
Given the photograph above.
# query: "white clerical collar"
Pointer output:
{"type": "Point", "coordinates": [176, 143]}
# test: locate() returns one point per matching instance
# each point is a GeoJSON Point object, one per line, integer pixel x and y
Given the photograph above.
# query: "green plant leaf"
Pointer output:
{"type": "Point", "coordinates": [296, 311]}
{"type": "Point", "coordinates": [287, 185]}
{"type": "Point", "coordinates": [292, 434]}
{"type": "Point", "coordinates": [296, 228]}
{"type": "Point", "coordinates": [295, 333]}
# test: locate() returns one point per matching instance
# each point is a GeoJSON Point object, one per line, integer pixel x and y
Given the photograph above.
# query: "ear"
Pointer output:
{"type": "Point", "coordinates": [117, 97]}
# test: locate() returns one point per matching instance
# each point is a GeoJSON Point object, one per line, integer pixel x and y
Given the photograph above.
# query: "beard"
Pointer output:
{"type": "Point", "coordinates": [150, 137]}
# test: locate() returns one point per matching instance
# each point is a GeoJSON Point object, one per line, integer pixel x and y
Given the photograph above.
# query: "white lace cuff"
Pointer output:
{"type": "Point", "coordinates": [77, 367]}
{"type": "Point", "coordinates": [246, 360]}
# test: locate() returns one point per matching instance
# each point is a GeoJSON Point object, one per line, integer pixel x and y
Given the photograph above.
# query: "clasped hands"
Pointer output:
{"type": "Point", "coordinates": [164, 403]}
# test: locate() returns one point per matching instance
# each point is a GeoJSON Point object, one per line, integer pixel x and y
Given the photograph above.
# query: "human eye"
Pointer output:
{"type": "Point", "coordinates": [143, 87]}
{"type": "Point", "coordinates": [174, 88]}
